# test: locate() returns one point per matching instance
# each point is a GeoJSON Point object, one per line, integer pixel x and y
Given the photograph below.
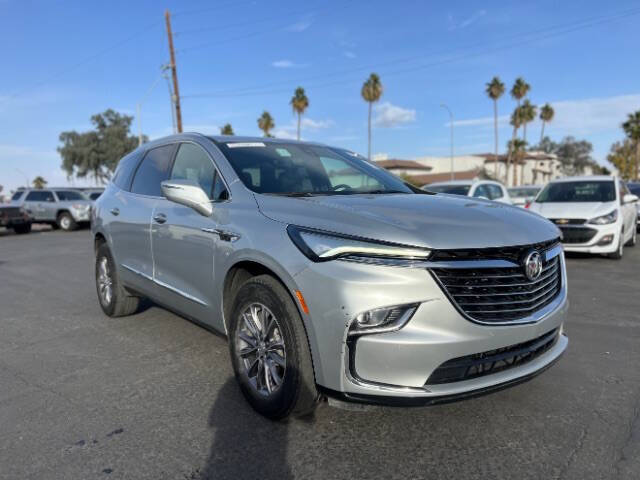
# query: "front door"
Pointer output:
{"type": "Point", "coordinates": [41, 204]}
{"type": "Point", "coordinates": [184, 241]}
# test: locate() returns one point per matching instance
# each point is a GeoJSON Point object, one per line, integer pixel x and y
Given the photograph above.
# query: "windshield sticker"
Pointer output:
{"type": "Point", "coordinates": [245, 144]}
{"type": "Point", "coordinates": [283, 152]}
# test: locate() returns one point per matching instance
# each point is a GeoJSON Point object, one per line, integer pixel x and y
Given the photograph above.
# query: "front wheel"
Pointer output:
{"type": "Point", "coordinates": [269, 350]}
{"type": "Point", "coordinates": [114, 299]}
{"type": "Point", "coordinates": [66, 222]}
{"type": "Point", "coordinates": [617, 255]}
{"type": "Point", "coordinates": [632, 241]}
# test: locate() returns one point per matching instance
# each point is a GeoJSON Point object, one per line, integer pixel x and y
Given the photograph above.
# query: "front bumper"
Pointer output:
{"type": "Point", "coordinates": [592, 246]}
{"type": "Point", "coordinates": [397, 365]}
{"type": "Point", "coordinates": [81, 215]}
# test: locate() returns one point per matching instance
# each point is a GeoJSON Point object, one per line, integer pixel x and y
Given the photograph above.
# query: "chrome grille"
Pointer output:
{"type": "Point", "coordinates": [502, 294]}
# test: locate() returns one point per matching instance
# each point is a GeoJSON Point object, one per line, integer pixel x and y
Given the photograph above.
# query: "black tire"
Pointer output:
{"type": "Point", "coordinates": [633, 240]}
{"type": "Point", "coordinates": [66, 222]}
{"type": "Point", "coordinates": [617, 255]}
{"type": "Point", "coordinates": [120, 303]}
{"type": "Point", "coordinates": [297, 394]}
{"type": "Point", "coordinates": [22, 229]}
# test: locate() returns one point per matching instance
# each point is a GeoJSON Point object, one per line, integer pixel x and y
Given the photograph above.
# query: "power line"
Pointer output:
{"type": "Point", "coordinates": [553, 31]}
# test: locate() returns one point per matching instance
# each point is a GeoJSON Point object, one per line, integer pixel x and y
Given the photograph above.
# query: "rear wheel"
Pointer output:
{"type": "Point", "coordinates": [269, 350]}
{"type": "Point", "coordinates": [114, 299]}
{"type": "Point", "coordinates": [21, 229]}
{"type": "Point", "coordinates": [66, 222]}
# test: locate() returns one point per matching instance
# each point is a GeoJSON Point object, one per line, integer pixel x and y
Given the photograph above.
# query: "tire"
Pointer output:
{"type": "Point", "coordinates": [296, 394]}
{"type": "Point", "coordinates": [633, 240]}
{"type": "Point", "coordinates": [118, 303]}
{"type": "Point", "coordinates": [22, 229]}
{"type": "Point", "coordinates": [66, 222]}
{"type": "Point", "coordinates": [617, 255]}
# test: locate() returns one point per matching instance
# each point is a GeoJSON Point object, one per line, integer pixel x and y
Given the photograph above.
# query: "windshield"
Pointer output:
{"type": "Point", "coordinates": [452, 189]}
{"type": "Point", "coordinates": [299, 169]}
{"type": "Point", "coordinates": [598, 191]}
{"type": "Point", "coordinates": [67, 195]}
{"type": "Point", "coordinates": [634, 188]}
{"type": "Point", "coordinates": [524, 192]}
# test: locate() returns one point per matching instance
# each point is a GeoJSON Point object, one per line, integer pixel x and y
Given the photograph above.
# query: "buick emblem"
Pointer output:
{"type": "Point", "coordinates": [533, 265]}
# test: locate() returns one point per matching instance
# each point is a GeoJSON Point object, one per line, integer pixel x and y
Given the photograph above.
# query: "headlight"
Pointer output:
{"type": "Point", "coordinates": [610, 217]}
{"type": "Point", "coordinates": [321, 247]}
{"type": "Point", "coordinates": [382, 319]}
{"type": "Point", "coordinates": [80, 206]}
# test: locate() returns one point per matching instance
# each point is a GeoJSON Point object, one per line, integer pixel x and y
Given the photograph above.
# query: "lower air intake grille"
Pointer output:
{"type": "Point", "coordinates": [577, 234]}
{"type": "Point", "coordinates": [501, 295]}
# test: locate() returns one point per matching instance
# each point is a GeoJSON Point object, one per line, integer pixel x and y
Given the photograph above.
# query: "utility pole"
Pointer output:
{"type": "Point", "coordinates": [174, 74]}
{"type": "Point", "coordinates": [451, 123]}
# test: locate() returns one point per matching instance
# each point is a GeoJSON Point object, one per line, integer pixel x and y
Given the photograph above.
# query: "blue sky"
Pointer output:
{"type": "Point", "coordinates": [66, 60]}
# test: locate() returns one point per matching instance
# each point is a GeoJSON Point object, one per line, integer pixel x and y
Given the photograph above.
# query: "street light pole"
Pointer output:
{"type": "Point", "coordinates": [451, 123]}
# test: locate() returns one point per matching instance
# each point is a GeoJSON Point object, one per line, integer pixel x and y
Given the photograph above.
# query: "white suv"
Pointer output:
{"type": "Point", "coordinates": [596, 214]}
{"type": "Point", "coordinates": [486, 189]}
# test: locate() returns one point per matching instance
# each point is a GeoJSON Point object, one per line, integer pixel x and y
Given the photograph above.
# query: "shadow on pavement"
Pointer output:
{"type": "Point", "coordinates": [245, 444]}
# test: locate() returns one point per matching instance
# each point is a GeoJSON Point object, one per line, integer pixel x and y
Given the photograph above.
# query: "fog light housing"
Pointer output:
{"type": "Point", "coordinates": [381, 320]}
{"type": "Point", "coordinates": [606, 240]}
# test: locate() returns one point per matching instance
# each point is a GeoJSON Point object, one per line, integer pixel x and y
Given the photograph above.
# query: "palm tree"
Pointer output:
{"type": "Point", "coordinates": [529, 112]}
{"type": "Point", "coordinates": [518, 147]}
{"type": "Point", "coordinates": [520, 89]}
{"type": "Point", "coordinates": [632, 129]}
{"type": "Point", "coordinates": [516, 122]}
{"type": "Point", "coordinates": [495, 89]}
{"type": "Point", "coordinates": [266, 123]}
{"type": "Point", "coordinates": [299, 102]}
{"type": "Point", "coordinates": [371, 92]}
{"type": "Point", "coordinates": [227, 129]}
{"type": "Point", "coordinates": [546, 115]}
{"type": "Point", "coordinates": [39, 182]}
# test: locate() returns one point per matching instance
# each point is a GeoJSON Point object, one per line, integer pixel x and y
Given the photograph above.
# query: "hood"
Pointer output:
{"type": "Point", "coordinates": [432, 221]}
{"type": "Point", "coordinates": [584, 210]}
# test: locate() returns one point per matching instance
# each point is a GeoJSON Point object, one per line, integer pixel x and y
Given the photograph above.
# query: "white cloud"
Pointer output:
{"type": "Point", "coordinates": [349, 54]}
{"type": "Point", "coordinates": [285, 133]}
{"type": "Point", "coordinates": [290, 131]}
{"type": "Point", "coordinates": [575, 117]}
{"type": "Point", "coordinates": [453, 25]}
{"type": "Point", "coordinates": [388, 115]}
{"type": "Point", "coordinates": [288, 64]}
{"type": "Point", "coordinates": [311, 124]}
{"type": "Point", "coordinates": [299, 26]}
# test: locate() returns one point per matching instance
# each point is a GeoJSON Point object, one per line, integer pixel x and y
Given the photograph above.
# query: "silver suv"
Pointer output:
{"type": "Point", "coordinates": [60, 207]}
{"type": "Point", "coordinates": [330, 276]}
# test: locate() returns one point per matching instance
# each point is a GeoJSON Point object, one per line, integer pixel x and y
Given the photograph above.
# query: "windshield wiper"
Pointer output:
{"type": "Point", "coordinates": [376, 192]}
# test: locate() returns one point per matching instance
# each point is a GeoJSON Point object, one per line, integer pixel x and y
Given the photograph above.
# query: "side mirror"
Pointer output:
{"type": "Point", "coordinates": [189, 194]}
{"type": "Point", "coordinates": [630, 198]}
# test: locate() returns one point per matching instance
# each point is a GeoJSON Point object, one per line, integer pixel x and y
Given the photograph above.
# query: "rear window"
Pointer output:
{"type": "Point", "coordinates": [451, 189]}
{"type": "Point", "coordinates": [153, 170]}
{"type": "Point", "coordinates": [69, 195]}
{"type": "Point", "coordinates": [523, 192]}
{"type": "Point", "coordinates": [582, 191]}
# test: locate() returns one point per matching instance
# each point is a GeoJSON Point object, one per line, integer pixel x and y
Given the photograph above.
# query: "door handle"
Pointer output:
{"type": "Point", "coordinates": [115, 212]}
{"type": "Point", "coordinates": [160, 218]}
{"type": "Point", "coordinates": [224, 235]}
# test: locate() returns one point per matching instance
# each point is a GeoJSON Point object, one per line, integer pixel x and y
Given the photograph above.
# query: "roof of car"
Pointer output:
{"type": "Point", "coordinates": [584, 178]}
{"type": "Point", "coordinates": [465, 182]}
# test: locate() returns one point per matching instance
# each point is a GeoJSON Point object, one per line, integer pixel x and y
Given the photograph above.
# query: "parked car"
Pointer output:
{"type": "Point", "coordinates": [635, 189]}
{"type": "Point", "coordinates": [93, 193]}
{"type": "Point", "coordinates": [16, 218]}
{"type": "Point", "coordinates": [60, 207]}
{"type": "Point", "coordinates": [486, 189]}
{"type": "Point", "coordinates": [596, 214]}
{"type": "Point", "coordinates": [329, 275]}
{"type": "Point", "coordinates": [522, 196]}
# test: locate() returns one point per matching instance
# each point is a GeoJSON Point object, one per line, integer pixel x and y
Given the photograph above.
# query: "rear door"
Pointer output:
{"type": "Point", "coordinates": [130, 215]}
{"type": "Point", "coordinates": [184, 242]}
{"type": "Point", "coordinates": [41, 203]}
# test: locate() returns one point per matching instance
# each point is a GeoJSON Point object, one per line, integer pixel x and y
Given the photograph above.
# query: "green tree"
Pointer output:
{"type": "Point", "coordinates": [96, 153]}
{"type": "Point", "coordinates": [266, 123]}
{"type": "Point", "coordinates": [546, 145]}
{"type": "Point", "coordinates": [520, 89]}
{"type": "Point", "coordinates": [371, 92]}
{"type": "Point", "coordinates": [299, 102]}
{"type": "Point", "coordinates": [516, 121]}
{"type": "Point", "coordinates": [227, 129]}
{"type": "Point", "coordinates": [574, 155]}
{"type": "Point", "coordinates": [494, 90]}
{"type": "Point", "coordinates": [39, 182]}
{"type": "Point", "coordinates": [622, 156]}
{"type": "Point", "coordinates": [632, 129]}
{"type": "Point", "coordinates": [529, 112]}
{"type": "Point", "coordinates": [546, 115]}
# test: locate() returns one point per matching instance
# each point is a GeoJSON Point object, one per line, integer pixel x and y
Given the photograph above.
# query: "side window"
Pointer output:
{"type": "Point", "coordinates": [124, 172]}
{"type": "Point", "coordinates": [153, 170]}
{"type": "Point", "coordinates": [16, 196]}
{"type": "Point", "coordinates": [40, 196]}
{"type": "Point", "coordinates": [193, 163]}
{"type": "Point", "coordinates": [219, 190]}
{"type": "Point", "coordinates": [482, 191]}
{"type": "Point", "coordinates": [68, 196]}
{"type": "Point", "coordinates": [495, 192]}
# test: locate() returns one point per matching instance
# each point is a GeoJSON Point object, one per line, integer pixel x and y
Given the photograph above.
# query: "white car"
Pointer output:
{"type": "Point", "coordinates": [596, 214]}
{"type": "Point", "coordinates": [486, 189]}
{"type": "Point", "coordinates": [522, 196]}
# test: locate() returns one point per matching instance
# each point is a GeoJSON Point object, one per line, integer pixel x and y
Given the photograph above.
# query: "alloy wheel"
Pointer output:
{"type": "Point", "coordinates": [65, 222]}
{"type": "Point", "coordinates": [105, 283]}
{"type": "Point", "coordinates": [260, 346]}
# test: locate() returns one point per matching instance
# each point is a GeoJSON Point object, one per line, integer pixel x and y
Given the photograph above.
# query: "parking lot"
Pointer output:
{"type": "Point", "coordinates": [152, 395]}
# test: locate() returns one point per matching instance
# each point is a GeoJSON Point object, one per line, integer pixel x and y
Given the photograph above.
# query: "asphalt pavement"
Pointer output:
{"type": "Point", "coordinates": [152, 396]}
